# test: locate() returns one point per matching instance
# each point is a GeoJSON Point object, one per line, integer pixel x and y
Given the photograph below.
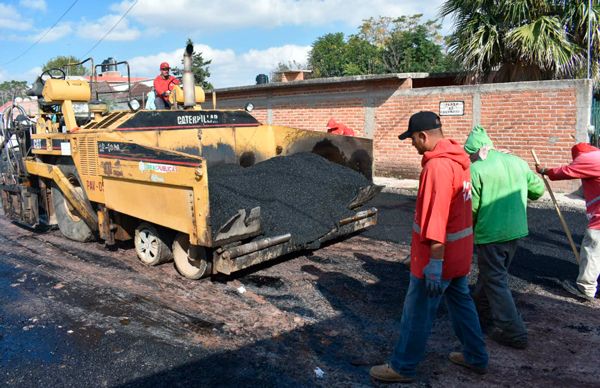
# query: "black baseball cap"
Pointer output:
{"type": "Point", "coordinates": [422, 121]}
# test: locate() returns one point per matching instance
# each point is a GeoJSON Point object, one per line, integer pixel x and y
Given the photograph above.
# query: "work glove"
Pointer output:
{"type": "Point", "coordinates": [433, 277]}
{"type": "Point", "coordinates": [540, 169]}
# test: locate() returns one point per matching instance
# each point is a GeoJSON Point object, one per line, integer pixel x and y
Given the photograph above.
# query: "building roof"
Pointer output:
{"type": "Point", "coordinates": [140, 88]}
{"type": "Point", "coordinates": [117, 77]}
{"type": "Point", "coordinates": [30, 106]}
{"type": "Point", "coordinates": [335, 80]}
{"type": "Point", "coordinates": [295, 71]}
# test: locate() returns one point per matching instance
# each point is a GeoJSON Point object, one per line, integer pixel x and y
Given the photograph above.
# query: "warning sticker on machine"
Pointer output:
{"type": "Point", "coordinates": [156, 167]}
{"type": "Point", "coordinates": [150, 159]}
{"type": "Point", "coordinates": [65, 148]}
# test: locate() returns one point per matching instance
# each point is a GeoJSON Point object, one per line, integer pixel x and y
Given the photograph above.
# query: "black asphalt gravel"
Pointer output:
{"type": "Point", "coordinates": [303, 194]}
{"type": "Point", "coordinates": [75, 315]}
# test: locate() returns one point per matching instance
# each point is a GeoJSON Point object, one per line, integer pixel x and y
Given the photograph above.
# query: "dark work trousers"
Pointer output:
{"type": "Point", "coordinates": [161, 104]}
{"type": "Point", "coordinates": [492, 295]}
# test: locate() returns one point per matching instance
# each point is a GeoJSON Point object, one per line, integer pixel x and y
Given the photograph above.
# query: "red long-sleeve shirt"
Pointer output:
{"type": "Point", "coordinates": [162, 85]}
{"type": "Point", "coordinates": [585, 166]}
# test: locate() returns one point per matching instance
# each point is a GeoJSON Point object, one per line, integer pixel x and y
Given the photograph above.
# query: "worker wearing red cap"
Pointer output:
{"type": "Point", "coordinates": [338, 128]}
{"type": "Point", "coordinates": [163, 84]}
{"type": "Point", "coordinates": [585, 166]}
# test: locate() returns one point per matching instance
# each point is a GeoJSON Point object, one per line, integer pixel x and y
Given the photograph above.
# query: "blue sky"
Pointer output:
{"type": "Point", "coordinates": [243, 38]}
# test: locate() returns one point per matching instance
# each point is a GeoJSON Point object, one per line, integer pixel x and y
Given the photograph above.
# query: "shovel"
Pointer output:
{"type": "Point", "coordinates": [562, 220]}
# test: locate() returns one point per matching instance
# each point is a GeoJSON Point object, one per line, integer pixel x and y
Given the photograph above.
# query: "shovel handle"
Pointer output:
{"type": "Point", "coordinates": [560, 216]}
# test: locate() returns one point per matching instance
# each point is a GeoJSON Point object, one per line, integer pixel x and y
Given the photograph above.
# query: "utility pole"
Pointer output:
{"type": "Point", "coordinates": [589, 53]}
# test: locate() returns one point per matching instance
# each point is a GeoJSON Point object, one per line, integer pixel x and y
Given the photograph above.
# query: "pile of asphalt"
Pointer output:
{"type": "Point", "coordinates": [303, 194]}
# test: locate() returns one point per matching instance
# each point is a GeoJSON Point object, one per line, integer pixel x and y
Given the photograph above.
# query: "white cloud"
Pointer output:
{"type": "Point", "coordinates": [269, 58]}
{"type": "Point", "coordinates": [242, 69]}
{"type": "Point", "coordinates": [228, 68]}
{"type": "Point", "coordinates": [11, 19]}
{"type": "Point", "coordinates": [58, 32]}
{"type": "Point", "coordinates": [39, 5]}
{"type": "Point", "coordinates": [97, 29]}
{"type": "Point", "coordinates": [29, 75]}
{"type": "Point", "coordinates": [195, 16]}
{"type": "Point", "coordinates": [148, 65]}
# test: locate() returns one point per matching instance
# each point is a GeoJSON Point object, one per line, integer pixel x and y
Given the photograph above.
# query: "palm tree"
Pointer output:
{"type": "Point", "coordinates": [513, 40]}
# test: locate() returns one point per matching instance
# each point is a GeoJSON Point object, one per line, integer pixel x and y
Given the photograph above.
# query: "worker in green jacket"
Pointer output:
{"type": "Point", "coordinates": [501, 184]}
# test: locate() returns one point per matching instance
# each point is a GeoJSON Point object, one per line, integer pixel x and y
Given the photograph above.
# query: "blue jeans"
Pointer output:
{"type": "Point", "coordinates": [161, 104]}
{"type": "Point", "coordinates": [417, 318]}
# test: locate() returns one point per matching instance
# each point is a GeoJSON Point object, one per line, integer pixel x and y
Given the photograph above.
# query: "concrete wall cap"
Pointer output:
{"type": "Point", "coordinates": [330, 80]}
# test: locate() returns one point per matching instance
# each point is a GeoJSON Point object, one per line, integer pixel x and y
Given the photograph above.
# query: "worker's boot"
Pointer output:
{"type": "Point", "coordinates": [386, 374]}
{"type": "Point", "coordinates": [573, 289]}
{"type": "Point", "coordinates": [500, 337]}
{"type": "Point", "coordinates": [459, 359]}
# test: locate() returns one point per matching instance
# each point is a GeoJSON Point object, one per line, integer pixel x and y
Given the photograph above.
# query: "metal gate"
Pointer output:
{"type": "Point", "coordinates": [596, 120]}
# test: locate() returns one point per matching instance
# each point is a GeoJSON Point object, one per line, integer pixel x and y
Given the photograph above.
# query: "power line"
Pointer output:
{"type": "Point", "coordinates": [110, 30]}
{"type": "Point", "coordinates": [43, 35]}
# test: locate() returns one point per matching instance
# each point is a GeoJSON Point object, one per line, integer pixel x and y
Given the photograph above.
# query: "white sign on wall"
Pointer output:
{"type": "Point", "coordinates": [452, 108]}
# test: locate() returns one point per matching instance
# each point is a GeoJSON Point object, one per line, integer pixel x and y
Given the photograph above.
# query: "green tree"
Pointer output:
{"type": "Point", "coordinates": [382, 45]}
{"type": "Point", "coordinates": [332, 56]}
{"type": "Point", "coordinates": [413, 51]}
{"type": "Point", "coordinates": [199, 68]}
{"type": "Point", "coordinates": [327, 58]}
{"type": "Point", "coordinates": [61, 62]}
{"type": "Point", "coordinates": [512, 40]}
{"type": "Point", "coordinates": [362, 57]}
{"type": "Point", "coordinates": [407, 44]}
{"type": "Point", "coordinates": [378, 31]}
{"type": "Point", "coordinates": [12, 89]}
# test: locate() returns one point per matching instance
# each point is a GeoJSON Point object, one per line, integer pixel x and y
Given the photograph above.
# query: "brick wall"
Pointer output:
{"type": "Point", "coordinates": [548, 116]}
{"type": "Point", "coordinates": [398, 158]}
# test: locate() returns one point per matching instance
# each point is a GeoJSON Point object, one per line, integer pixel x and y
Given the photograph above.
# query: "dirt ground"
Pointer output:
{"type": "Point", "coordinates": [75, 314]}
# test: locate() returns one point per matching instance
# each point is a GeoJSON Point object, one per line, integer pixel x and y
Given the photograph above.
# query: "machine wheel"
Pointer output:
{"type": "Point", "coordinates": [150, 245]}
{"type": "Point", "coordinates": [69, 223]}
{"type": "Point", "coordinates": [191, 269]}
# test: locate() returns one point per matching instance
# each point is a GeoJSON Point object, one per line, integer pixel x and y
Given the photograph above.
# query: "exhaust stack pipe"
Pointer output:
{"type": "Point", "coordinates": [189, 92]}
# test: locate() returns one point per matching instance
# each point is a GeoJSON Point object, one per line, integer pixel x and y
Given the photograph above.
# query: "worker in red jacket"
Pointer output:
{"type": "Point", "coordinates": [338, 128]}
{"type": "Point", "coordinates": [441, 251]}
{"type": "Point", "coordinates": [163, 84]}
{"type": "Point", "coordinates": [585, 166]}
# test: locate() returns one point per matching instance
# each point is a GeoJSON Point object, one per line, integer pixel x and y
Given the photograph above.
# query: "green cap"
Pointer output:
{"type": "Point", "coordinates": [477, 139]}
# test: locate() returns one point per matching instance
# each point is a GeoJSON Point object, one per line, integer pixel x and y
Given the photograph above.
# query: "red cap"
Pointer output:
{"type": "Point", "coordinates": [165, 65]}
{"type": "Point", "coordinates": [582, 148]}
{"type": "Point", "coordinates": [332, 123]}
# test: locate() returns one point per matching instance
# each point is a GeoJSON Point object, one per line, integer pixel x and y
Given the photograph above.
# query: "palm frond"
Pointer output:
{"type": "Point", "coordinates": [478, 50]}
{"type": "Point", "coordinates": [515, 11]}
{"type": "Point", "coordinates": [521, 36]}
{"type": "Point", "coordinates": [544, 42]}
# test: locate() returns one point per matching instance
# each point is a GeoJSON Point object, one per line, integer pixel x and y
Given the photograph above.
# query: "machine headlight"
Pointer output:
{"type": "Point", "coordinates": [249, 107]}
{"type": "Point", "coordinates": [134, 105]}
